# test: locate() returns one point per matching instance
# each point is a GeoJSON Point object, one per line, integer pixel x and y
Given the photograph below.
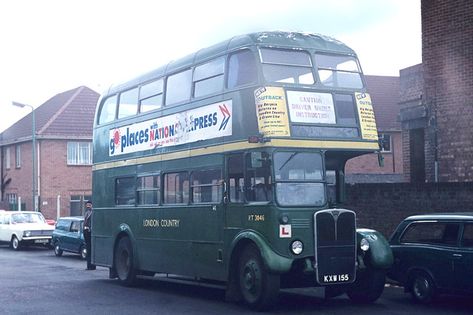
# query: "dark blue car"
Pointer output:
{"type": "Point", "coordinates": [433, 254]}
{"type": "Point", "coordinates": [68, 236]}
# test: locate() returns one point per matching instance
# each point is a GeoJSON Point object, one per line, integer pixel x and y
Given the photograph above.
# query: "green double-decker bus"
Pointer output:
{"type": "Point", "coordinates": [228, 165]}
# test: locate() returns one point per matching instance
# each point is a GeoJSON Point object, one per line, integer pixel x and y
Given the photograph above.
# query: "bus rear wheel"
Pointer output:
{"type": "Point", "coordinates": [123, 261]}
{"type": "Point", "coordinates": [258, 287]}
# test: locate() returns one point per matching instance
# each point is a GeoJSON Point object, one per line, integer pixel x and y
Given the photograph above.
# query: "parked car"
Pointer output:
{"type": "Point", "coordinates": [433, 254]}
{"type": "Point", "coordinates": [21, 228]}
{"type": "Point", "coordinates": [68, 236]}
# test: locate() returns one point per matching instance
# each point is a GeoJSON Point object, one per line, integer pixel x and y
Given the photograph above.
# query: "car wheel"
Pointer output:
{"type": "Point", "coordinates": [258, 288]}
{"type": "Point", "coordinates": [422, 288]}
{"type": "Point", "coordinates": [83, 252]}
{"type": "Point", "coordinates": [57, 250]}
{"type": "Point", "coordinates": [368, 287]}
{"type": "Point", "coordinates": [15, 243]}
{"type": "Point", "coordinates": [124, 263]}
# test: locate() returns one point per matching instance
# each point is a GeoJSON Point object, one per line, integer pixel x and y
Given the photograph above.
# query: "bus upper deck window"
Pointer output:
{"type": "Point", "coordinates": [151, 96]}
{"type": "Point", "coordinates": [241, 69]}
{"type": "Point", "coordinates": [107, 113]}
{"type": "Point", "coordinates": [128, 104]}
{"type": "Point", "coordinates": [208, 78]}
{"type": "Point", "coordinates": [287, 66]}
{"type": "Point", "coordinates": [339, 71]}
{"type": "Point", "coordinates": [178, 88]}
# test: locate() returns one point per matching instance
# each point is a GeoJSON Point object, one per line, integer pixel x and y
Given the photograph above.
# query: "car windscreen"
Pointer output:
{"type": "Point", "coordinates": [27, 218]}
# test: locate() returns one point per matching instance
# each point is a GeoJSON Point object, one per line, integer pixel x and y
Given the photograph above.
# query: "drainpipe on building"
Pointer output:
{"type": "Point", "coordinates": [434, 126]}
{"type": "Point", "coordinates": [58, 207]}
{"type": "Point", "coordinates": [1, 174]}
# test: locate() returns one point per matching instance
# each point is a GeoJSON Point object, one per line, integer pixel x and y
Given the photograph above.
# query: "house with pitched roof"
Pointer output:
{"type": "Point", "coordinates": [63, 155]}
{"type": "Point", "coordinates": [385, 93]}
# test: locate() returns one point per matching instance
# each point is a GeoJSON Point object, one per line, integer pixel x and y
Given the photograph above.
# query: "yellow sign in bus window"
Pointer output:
{"type": "Point", "coordinates": [271, 110]}
{"type": "Point", "coordinates": [366, 116]}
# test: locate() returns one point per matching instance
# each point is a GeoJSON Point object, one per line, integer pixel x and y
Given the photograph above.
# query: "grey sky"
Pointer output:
{"type": "Point", "coordinates": [50, 46]}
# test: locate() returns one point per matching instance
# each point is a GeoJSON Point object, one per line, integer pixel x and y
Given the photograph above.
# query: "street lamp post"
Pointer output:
{"type": "Point", "coordinates": [35, 201]}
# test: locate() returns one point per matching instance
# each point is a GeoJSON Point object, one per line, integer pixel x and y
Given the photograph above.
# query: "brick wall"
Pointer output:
{"type": "Point", "coordinates": [21, 178]}
{"type": "Point", "coordinates": [60, 179]}
{"type": "Point", "coordinates": [55, 177]}
{"type": "Point", "coordinates": [368, 163]}
{"type": "Point", "coordinates": [383, 206]}
{"type": "Point", "coordinates": [411, 82]}
{"type": "Point", "coordinates": [447, 40]}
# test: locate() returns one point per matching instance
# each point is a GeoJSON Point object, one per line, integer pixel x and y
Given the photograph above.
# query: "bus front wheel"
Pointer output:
{"type": "Point", "coordinates": [368, 286]}
{"type": "Point", "coordinates": [123, 261]}
{"type": "Point", "coordinates": [258, 287]}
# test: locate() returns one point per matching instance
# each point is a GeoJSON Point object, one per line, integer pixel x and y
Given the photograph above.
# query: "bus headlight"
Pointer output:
{"type": "Point", "coordinates": [364, 245]}
{"type": "Point", "coordinates": [297, 247]}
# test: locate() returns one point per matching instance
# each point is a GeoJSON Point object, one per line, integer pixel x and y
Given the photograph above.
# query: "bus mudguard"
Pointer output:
{"type": "Point", "coordinates": [379, 255]}
{"type": "Point", "coordinates": [274, 262]}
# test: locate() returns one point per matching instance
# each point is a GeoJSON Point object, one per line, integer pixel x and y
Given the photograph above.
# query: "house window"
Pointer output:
{"type": "Point", "coordinates": [12, 198]}
{"type": "Point", "coordinates": [7, 158]}
{"type": "Point", "coordinates": [79, 153]}
{"type": "Point", "coordinates": [384, 142]}
{"type": "Point", "coordinates": [18, 156]}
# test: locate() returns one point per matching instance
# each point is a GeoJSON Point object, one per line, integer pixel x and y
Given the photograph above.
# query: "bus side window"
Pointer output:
{"type": "Point", "coordinates": [236, 178]}
{"type": "Point", "coordinates": [178, 88]}
{"type": "Point", "coordinates": [208, 78]}
{"type": "Point", "coordinates": [125, 191]}
{"type": "Point", "coordinates": [258, 177]}
{"type": "Point", "coordinates": [151, 96]}
{"type": "Point", "coordinates": [241, 69]}
{"type": "Point", "coordinates": [205, 186]}
{"type": "Point", "coordinates": [128, 104]}
{"type": "Point", "coordinates": [176, 188]}
{"type": "Point", "coordinates": [148, 190]}
{"type": "Point", "coordinates": [107, 112]}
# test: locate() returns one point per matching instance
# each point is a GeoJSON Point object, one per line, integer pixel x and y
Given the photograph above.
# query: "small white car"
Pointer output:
{"type": "Point", "coordinates": [19, 228]}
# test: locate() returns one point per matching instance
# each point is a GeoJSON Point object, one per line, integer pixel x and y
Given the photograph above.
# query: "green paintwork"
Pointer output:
{"type": "Point", "coordinates": [379, 255]}
{"type": "Point", "coordinates": [274, 262]}
{"type": "Point", "coordinates": [206, 237]}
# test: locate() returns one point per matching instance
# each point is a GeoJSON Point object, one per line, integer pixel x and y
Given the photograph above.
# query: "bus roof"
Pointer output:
{"type": "Point", "coordinates": [279, 39]}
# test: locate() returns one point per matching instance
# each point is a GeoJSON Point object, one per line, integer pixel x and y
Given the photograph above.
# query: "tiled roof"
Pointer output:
{"type": "Point", "coordinates": [384, 91]}
{"type": "Point", "coordinates": [67, 114]}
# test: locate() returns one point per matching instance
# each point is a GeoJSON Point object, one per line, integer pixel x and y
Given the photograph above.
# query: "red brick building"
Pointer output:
{"type": "Point", "coordinates": [384, 91]}
{"type": "Point", "coordinates": [437, 122]}
{"type": "Point", "coordinates": [64, 155]}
